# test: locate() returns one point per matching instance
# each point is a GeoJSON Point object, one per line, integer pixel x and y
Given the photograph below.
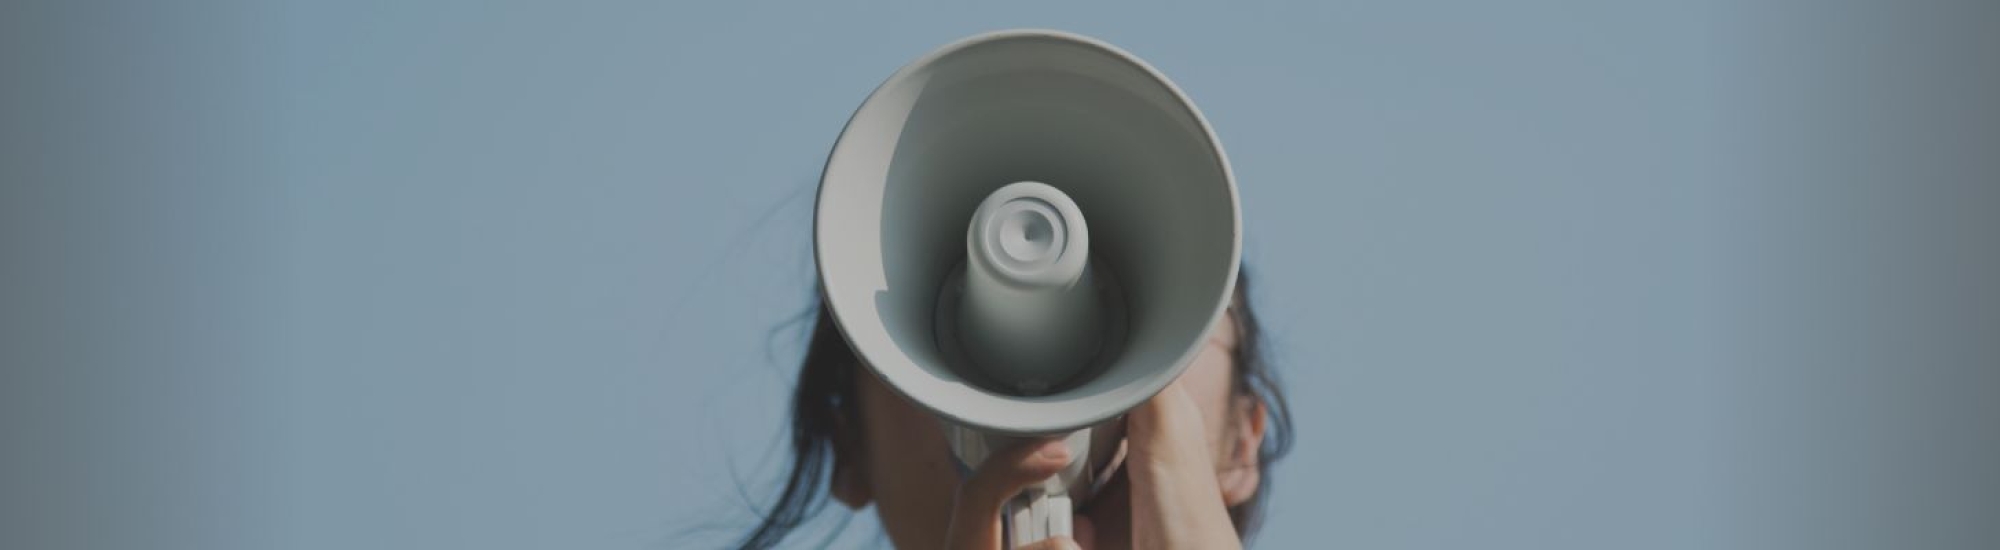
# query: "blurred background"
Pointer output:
{"type": "Point", "coordinates": [511, 275]}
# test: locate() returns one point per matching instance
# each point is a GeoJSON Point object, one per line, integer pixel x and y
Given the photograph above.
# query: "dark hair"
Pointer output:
{"type": "Point", "coordinates": [826, 392]}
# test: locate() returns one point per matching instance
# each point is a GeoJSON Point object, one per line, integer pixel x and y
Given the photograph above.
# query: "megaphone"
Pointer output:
{"type": "Point", "coordinates": [1028, 233]}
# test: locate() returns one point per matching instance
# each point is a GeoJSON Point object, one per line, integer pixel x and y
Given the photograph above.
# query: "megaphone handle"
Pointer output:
{"type": "Point", "coordinates": [1035, 515]}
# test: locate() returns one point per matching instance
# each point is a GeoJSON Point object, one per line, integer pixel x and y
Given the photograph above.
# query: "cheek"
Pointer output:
{"type": "Point", "coordinates": [910, 468]}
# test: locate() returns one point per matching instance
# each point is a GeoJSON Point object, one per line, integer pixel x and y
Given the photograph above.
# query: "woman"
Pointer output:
{"type": "Point", "coordinates": [1195, 474]}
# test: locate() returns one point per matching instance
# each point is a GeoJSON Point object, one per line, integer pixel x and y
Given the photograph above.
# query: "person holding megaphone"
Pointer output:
{"type": "Point", "coordinates": [1034, 330]}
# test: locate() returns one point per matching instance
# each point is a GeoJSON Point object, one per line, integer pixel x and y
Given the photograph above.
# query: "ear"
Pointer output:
{"type": "Point", "coordinates": [1239, 472]}
{"type": "Point", "coordinates": [850, 483]}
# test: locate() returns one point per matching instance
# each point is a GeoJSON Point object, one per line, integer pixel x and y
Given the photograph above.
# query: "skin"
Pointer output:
{"type": "Point", "coordinates": [1191, 453]}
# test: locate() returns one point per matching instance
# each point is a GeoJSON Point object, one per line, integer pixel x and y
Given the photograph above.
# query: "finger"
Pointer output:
{"type": "Point", "coordinates": [1005, 474]}
{"type": "Point", "coordinates": [975, 521]}
{"type": "Point", "coordinates": [1053, 543]}
{"type": "Point", "coordinates": [1084, 532]}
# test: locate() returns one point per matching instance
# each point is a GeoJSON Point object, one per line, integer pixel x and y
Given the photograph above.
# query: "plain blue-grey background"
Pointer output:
{"type": "Point", "coordinates": [512, 275]}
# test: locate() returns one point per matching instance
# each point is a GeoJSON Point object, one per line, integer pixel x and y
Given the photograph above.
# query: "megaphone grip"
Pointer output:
{"type": "Point", "coordinates": [1035, 516]}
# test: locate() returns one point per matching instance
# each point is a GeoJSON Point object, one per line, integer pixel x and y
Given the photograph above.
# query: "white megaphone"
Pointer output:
{"type": "Point", "coordinates": [1028, 233]}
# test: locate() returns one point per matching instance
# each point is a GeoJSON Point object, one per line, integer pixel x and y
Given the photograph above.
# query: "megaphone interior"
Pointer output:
{"type": "Point", "coordinates": [1028, 233]}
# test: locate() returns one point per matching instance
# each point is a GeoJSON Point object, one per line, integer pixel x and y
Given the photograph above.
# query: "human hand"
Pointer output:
{"type": "Point", "coordinates": [1175, 499]}
{"type": "Point", "coordinates": [975, 517]}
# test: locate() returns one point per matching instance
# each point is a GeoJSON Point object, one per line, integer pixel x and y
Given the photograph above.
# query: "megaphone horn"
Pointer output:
{"type": "Point", "coordinates": [1028, 233]}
